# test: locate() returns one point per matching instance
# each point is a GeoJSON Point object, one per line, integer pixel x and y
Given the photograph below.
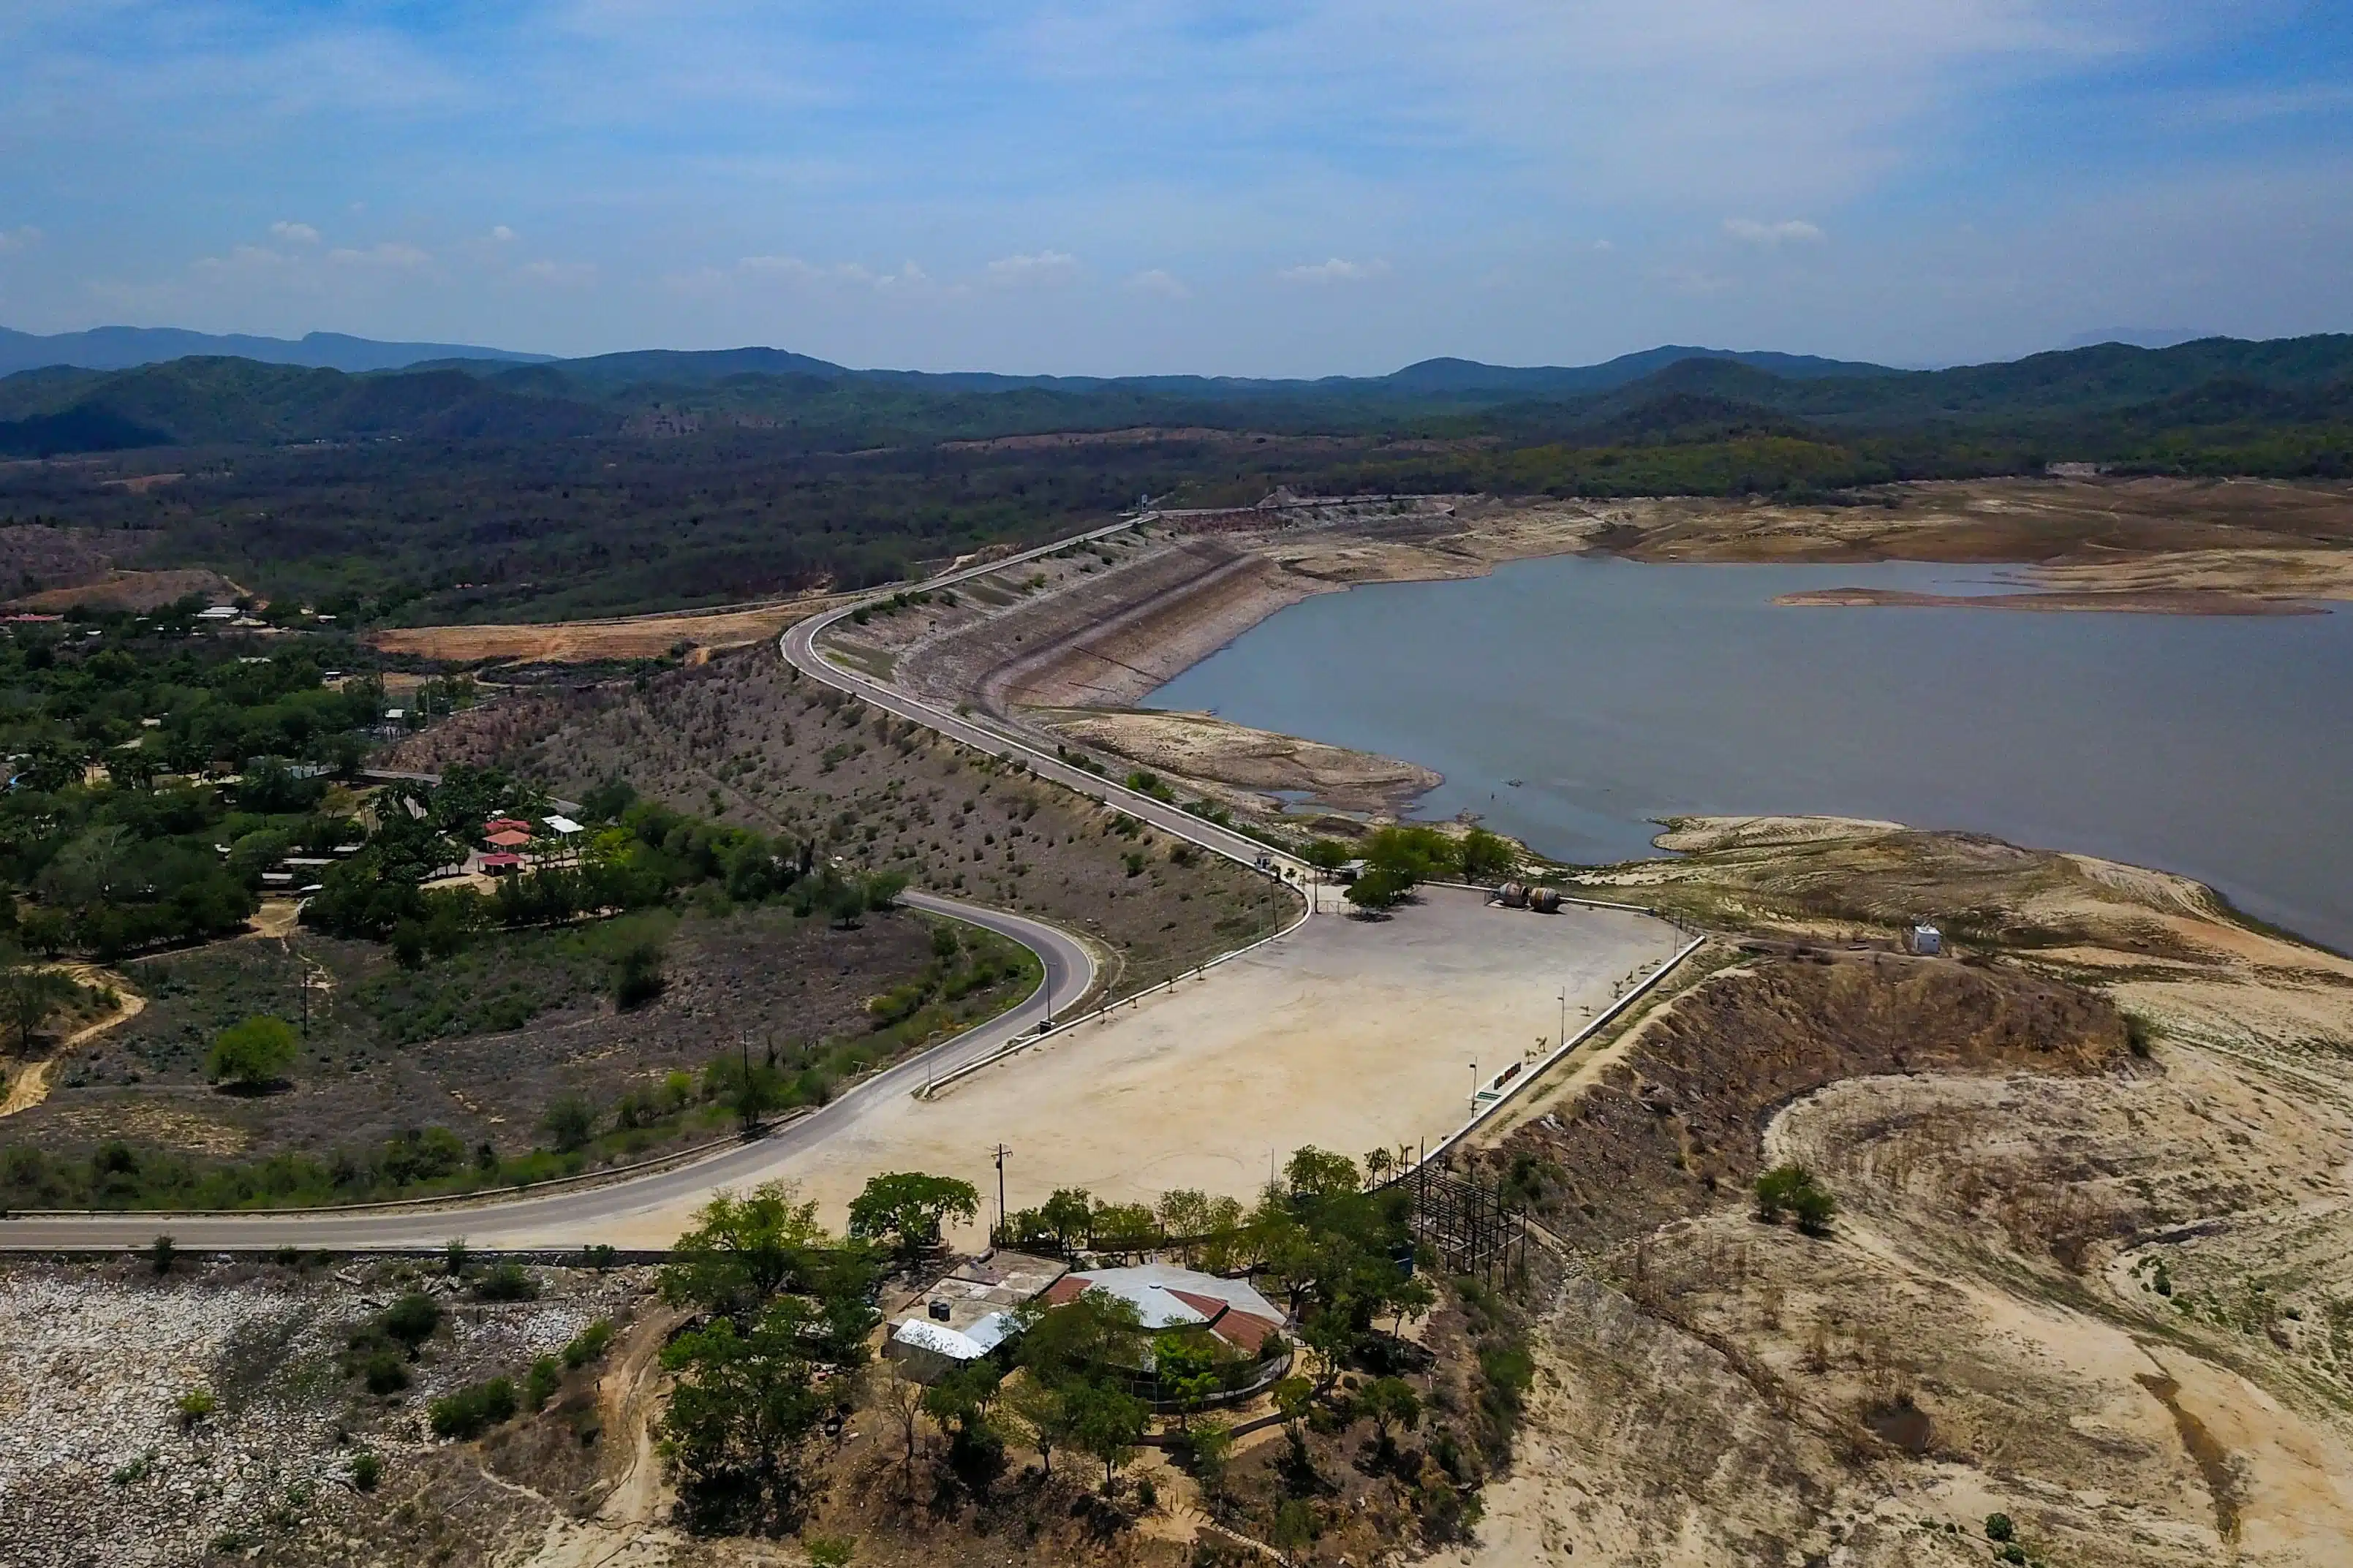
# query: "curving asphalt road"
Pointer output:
{"type": "Point", "coordinates": [799, 646]}
{"type": "Point", "coordinates": [587, 1214]}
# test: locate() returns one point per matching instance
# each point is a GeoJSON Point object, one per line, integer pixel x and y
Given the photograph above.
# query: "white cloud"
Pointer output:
{"type": "Point", "coordinates": [390, 253]}
{"type": "Point", "coordinates": [1046, 268]}
{"type": "Point", "coordinates": [503, 235]}
{"type": "Point", "coordinates": [559, 274]}
{"type": "Point", "coordinates": [1335, 271]}
{"type": "Point", "coordinates": [1168, 285]}
{"type": "Point", "coordinates": [1772, 235]}
{"type": "Point", "coordinates": [908, 279]}
{"type": "Point", "coordinates": [21, 238]}
{"type": "Point", "coordinates": [791, 266]}
{"type": "Point", "coordinates": [247, 259]}
{"type": "Point", "coordinates": [294, 233]}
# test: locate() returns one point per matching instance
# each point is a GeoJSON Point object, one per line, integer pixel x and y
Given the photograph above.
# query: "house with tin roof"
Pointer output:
{"type": "Point", "coordinates": [1167, 1296]}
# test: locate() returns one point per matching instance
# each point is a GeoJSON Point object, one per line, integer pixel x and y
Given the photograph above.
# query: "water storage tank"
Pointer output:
{"type": "Point", "coordinates": [1515, 895]}
{"type": "Point", "coordinates": [1544, 901]}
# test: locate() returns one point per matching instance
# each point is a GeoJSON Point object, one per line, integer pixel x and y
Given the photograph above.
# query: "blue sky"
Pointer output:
{"type": "Point", "coordinates": [1298, 187]}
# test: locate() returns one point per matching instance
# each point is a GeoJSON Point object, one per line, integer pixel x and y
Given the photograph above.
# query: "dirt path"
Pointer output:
{"type": "Point", "coordinates": [628, 1530]}
{"type": "Point", "coordinates": [28, 1088]}
{"type": "Point", "coordinates": [630, 636]}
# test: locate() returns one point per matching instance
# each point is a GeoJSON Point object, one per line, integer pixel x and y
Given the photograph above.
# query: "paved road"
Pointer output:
{"type": "Point", "coordinates": [799, 646]}
{"type": "Point", "coordinates": [588, 1214]}
{"type": "Point", "coordinates": [575, 1218]}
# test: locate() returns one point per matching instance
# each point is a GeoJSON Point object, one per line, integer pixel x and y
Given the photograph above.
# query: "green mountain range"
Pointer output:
{"type": "Point", "coordinates": [2105, 398]}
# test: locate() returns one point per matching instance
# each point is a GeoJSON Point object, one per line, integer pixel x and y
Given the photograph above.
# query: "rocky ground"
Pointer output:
{"type": "Point", "coordinates": [101, 1467]}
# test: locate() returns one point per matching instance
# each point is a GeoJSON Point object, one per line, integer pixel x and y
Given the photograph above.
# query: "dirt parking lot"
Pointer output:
{"type": "Point", "coordinates": [1347, 1035]}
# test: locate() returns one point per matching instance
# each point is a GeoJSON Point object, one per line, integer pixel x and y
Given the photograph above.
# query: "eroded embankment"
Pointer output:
{"type": "Point", "coordinates": [1678, 1123]}
{"type": "Point", "coordinates": [2092, 1263]}
{"type": "Point", "coordinates": [1108, 639]}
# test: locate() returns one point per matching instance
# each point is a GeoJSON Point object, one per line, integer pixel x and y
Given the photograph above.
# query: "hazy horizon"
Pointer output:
{"type": "Point", "coordinates": [1329, 189]}
{"type": "Point", "coordinates": [513, 354]}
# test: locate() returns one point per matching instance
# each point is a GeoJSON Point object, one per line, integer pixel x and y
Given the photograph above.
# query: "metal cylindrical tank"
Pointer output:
{"type": "Point", "coordinates": [1515, 895]}
{"type": "Point", "coordinates": [1544, 901]}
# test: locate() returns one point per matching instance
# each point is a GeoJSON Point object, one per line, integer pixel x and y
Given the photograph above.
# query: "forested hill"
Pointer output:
{"type": "Point", "coordinates": [817, 406]}
{"type": "Point", "coordinates": [472, 492]}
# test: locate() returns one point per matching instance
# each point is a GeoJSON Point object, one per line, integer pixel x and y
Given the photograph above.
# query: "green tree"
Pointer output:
{"type": "Point", "coordinates": [1067, 1215]}
{"type": "Point", "coordinates": [253, 1055]}
{"type": "Point", "coordinates": [1416, 853]}
{"type": "Point", "coordinates": [1326, 855]}
{"type": "Point", "coordinates": [1208, 1448]}
{"type": "Point", "coordinates": [571, 1121]}
{"type": "Point", "coordinates": [474, 1409]}
{"type": "Point", "coordinates": [1294, 1399]}
{"type": "Point", "coordinates": [743, 1249]}
{"type": "Point", "coordinates": [411, 1320]}
{"type": "Point", "coordinates": [1107, 1423]}
{"type": "Point", "coordinates": [961, 1401]}
{"type": "Point", "coordinates": [1037, 1409]}
{"type": "Point", "coordinates": [1187, 1367]}
{"type": "Point", "coordinates": [1319, 1174]}
{"type": "Point", "coordinates": [637, 977]}
{"type": "Point", "coordinates": [845, 902]}
{"type": "Point", "coordinates": [1389, 1403]}
{"type": "Point", "coordinates": [1793, 1188]}
{"type": "Point", "coordinates": [29, 992]}
{"type": "Point", "coordinates": [1411, 1296]}
{"type": "Point", "coordinates": [1379, 890]}
{"type": "Point", "coordinates": [1082, 1339]}
{"type": "Point", "coordinates": [911, 1206]}
{"type": "Point", "coordinates": [744, 1402]}
{"type": "Point", "coordinates": [1486, 857]}
{"type": "Point", "coordinates": [750, 1088]}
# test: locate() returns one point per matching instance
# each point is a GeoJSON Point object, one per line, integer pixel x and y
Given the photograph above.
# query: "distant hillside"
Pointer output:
{"type": "Point", "coordinates": [123, 347]}
{"type": "Point", "coordinates": [2106, 401]}
{"type": "Point", "coordinates": [1556, 380]}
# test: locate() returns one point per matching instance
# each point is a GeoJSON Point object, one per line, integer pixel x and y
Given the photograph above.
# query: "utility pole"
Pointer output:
{"type": "Point", "coordinates": [1001, 1152]}
{"type": "Point", "coordinates": [751, 1094]}
{"type": "Point", "coordinates": [1562, 1038]}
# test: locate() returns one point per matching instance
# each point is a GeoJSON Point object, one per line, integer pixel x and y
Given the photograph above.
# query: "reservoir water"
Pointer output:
{"type": "Point", "coordinates": [1573, 701]}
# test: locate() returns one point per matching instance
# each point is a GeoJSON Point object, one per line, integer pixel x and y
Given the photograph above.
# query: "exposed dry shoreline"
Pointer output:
{"type": "Point", "coordinates": [2154, 602]}
{"type": "Point", "coordinates": [1065, 648]}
